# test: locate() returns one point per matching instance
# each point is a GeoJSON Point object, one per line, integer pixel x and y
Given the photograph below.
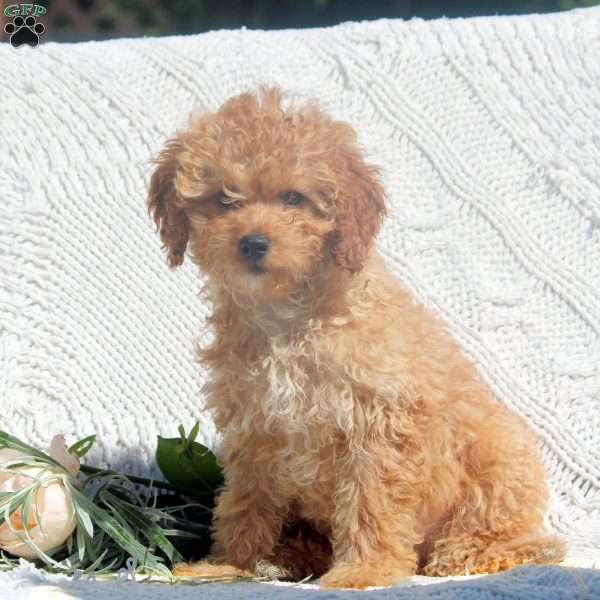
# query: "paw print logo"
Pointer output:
{"type": "Point", "coordinates": [24, 31]}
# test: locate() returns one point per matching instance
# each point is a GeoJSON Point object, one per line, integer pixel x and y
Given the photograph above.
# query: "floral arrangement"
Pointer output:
{"type": "Point", "coordinates": [76, 519]}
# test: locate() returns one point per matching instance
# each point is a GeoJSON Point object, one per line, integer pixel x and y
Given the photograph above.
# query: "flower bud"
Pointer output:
{"type": "Point", "coordinates": [54, 507]}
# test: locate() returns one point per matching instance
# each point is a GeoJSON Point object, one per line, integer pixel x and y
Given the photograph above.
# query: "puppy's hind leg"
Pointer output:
{"type": "Point", "coordinates": [477, 554]}
{"type": "Point", "coordinates": [498, 521]}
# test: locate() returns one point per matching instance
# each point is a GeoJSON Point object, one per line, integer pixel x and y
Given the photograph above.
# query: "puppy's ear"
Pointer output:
{"type": "Point", "coordinates": [164, 207]}
{"type": "Point", "coordinates": [360, 209]}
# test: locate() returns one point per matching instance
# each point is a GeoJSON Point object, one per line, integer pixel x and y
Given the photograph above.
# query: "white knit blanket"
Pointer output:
{"type": "Point", "coordinates": [487, 130]}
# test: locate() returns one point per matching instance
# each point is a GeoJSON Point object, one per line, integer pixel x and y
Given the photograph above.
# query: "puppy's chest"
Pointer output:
{"type": "Point", "coordinates": [292, 386]}
{"type": "Point", "coordinates": [304, 471]}
{"type": "Point", "coordinates": [304, 406]}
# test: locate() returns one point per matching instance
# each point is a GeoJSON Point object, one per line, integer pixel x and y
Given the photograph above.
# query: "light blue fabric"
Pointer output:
{"type": "Point", "coordinates": [523, 583]}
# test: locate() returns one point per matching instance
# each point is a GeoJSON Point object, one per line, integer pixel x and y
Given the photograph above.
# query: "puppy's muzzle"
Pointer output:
{"type": "Point", "coordinates": [253, 248]}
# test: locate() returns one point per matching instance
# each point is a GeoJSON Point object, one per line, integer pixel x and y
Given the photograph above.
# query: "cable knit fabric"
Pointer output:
{"type": "Point", "coordinates": [487, 131]}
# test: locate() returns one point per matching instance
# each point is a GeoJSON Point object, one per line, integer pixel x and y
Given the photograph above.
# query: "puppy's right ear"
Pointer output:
{"type": "Point", "coordinates": [164, 204]}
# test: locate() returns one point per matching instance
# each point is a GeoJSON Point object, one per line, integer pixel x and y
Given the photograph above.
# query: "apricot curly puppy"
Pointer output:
{"type": "Point", "coordinates": [341, 401]}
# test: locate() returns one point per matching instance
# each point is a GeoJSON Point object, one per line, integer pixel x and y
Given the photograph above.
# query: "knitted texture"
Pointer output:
{"type": "Point", "coordinates": [487, 132]}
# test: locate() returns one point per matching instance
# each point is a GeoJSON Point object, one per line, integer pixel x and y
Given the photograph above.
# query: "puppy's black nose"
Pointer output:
{"type": "Point", "coordinates": [254, 247]}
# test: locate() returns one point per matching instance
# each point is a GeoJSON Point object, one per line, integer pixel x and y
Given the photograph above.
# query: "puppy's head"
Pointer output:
{"type": "Point", "coordinates": [265, 197]}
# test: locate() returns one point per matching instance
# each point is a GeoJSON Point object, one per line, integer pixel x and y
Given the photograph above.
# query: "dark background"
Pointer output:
{"type": "Point", "coordinates": [74, 20]}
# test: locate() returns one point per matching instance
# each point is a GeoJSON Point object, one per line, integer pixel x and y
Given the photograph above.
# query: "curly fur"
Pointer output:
{"type": "Point", "coordinates": [342, 402]}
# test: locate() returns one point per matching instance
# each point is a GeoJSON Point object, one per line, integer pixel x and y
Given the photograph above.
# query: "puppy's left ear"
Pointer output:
{"type": "Point", "coordinates": [359, 212]}
{"type": "Point", "coordinates": [164, 205]}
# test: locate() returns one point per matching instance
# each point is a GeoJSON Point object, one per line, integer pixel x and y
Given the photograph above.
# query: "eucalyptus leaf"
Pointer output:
{"type": "Point", "coordinates": [83, 518]}
{"type": "Point", "coordinates": [81, 541]}
{"type": "Point", "coordinates": [24, 504]}
{"type": "Point", "coordinates": [98, 561]}
{"type": "Point", "coordinates": [10, 505]}
{"type": "Point", "coordinates": [82, 447]}
{"type": "Point", "coordinates": [116, 521]}
{"type": "Point", "coordinates": [9, 441]}
{"type": "Point", "coordinates": [26, 508]}
{"type": "Point", "coordinates": [121, 535]}
{"type": "Point", "coordinates": [152, 532]}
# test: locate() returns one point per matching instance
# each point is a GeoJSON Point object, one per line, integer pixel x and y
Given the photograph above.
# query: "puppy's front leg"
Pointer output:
{"type": "Point", "coordinates": [374, 526]}
{"type": "Point", "coordinates": [247, 523]}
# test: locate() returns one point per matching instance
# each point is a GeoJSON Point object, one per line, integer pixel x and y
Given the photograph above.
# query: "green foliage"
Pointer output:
{"type": "Point", "coordinates": [82, 447]}
{"type": "Point", "coordinates": [163, 17]}
{"type": "Point", "coordinates": [187, 463]}
{"type": "Point", "coordinates": [116, 521]}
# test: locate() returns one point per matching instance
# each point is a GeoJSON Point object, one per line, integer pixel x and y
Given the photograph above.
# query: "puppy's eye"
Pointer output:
{"type": "Point", "coordinates": [292, 198]}
{"type": "Point", "coordinates": [227, 203]}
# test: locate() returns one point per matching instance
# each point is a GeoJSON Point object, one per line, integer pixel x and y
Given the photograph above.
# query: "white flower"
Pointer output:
{"type": "Point", "coordinates": [54, 506]}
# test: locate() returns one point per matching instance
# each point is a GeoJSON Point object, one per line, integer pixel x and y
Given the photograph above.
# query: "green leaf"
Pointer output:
{"type": "Point", "coordinates": [38, 515]}
{"type": "Point", "coordinates": [114, 519]}
{"type": "Point", "coordinates": [82, 447]}
{"type": "Point", "coordinates": [83, 518]}
{"type": "Point", "coordinates": [97, 562]}
{"type": "Point", "coordinates": [151, 531]}
{"type": "Point", "coordinates": [26, 508]}
{"type": "Point", "coordinates": [196, 468]}
{"type": "Point", "coordinates": [193, 433]}
{"type": "Point", "coordinates": [10, 505]}
{"type": "Point", "coordinates": [81, 541]}
{"type": "Point", "coordinates": [70, 544]}
{"type": "Point", "coordinates": [9, 441]}
{"type": "Point", "coordinates": [120, 534]}
{"type": "Point", "coordinates": [180, 533]}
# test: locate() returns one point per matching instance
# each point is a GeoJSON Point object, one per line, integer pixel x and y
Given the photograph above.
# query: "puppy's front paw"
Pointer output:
{"type": "Point", "coordinates": [363, 575]}
{"type": "Point", "coordinates": [207, 570]}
